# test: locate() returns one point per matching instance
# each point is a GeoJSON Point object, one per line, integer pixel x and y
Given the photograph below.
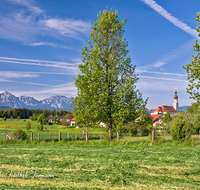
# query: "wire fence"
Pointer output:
{"type": "Point", "coordinates": [61, 136]}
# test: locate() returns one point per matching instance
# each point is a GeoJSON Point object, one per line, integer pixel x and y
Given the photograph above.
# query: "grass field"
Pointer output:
{"type": "Point", "coordinates": [11, 126]}
{"type": "Point", "coordinates": [146, 166]}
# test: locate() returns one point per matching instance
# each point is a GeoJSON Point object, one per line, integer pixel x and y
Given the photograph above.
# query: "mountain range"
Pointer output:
{"type": "Point", "coordinates": [54, 102]}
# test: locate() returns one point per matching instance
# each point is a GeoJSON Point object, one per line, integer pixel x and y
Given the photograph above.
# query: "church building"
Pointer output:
{"type": "Point", "coordinates": [159, 112]}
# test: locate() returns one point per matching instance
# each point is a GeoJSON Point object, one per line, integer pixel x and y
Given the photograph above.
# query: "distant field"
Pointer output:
{"type": "Point", "coordinates": [53, 129]}
{"type": "Point", "coordinates": [100, 167]}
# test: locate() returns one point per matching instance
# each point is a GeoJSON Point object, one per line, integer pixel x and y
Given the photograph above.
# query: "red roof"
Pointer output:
{"type": "Point", "coordinates": [73, 119]}
{"type": "Point", "coordinates": [154, 117]}
{"type": "Point", "coordinates": [164, 109]}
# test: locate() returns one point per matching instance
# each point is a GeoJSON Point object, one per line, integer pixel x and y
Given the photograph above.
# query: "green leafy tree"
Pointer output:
{"type": "Point", "coordinates": [167, 118]}
{"type": "Point", "coordinates": [28, 126]}
{"type": "Point", "coordinates": [4, 118]}
{"type": "Point", "coordinates": [11, 118]}
{"type": "Point", "coordinates": [106, 82]}
{"type": "Point", "coordinates": [55, 120]}
{"type": "Point", "coordinates": [34, 117]}
{"type": "Point", "coordinates": [42, 118]}
{"type": "Point", "coordinates": [18, 118]}
{"type": "Point", "coordinates": [193, 69]}
{"type": "Point", "coordinates": [180, 128]}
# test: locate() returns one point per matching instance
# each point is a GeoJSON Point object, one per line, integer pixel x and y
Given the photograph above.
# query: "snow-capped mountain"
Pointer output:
{"type": "Point", "coordinates": [57, 101]}
{"type": "Point", "coordinates": [54, 102]}
{"type": "Point", "coordinates": [29, 100]}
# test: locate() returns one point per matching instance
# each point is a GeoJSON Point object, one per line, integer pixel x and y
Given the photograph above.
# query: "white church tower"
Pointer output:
{"type": "Point", "coordinates": [175, 104]}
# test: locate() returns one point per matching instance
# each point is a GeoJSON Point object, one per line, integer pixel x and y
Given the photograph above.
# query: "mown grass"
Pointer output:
{"type": "Point", "coordinates": [137, 166]}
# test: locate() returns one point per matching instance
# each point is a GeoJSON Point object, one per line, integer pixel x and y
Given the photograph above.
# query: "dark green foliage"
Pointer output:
{"type": "Point", "coordinates": [40, 128]}
{"type": "Point", "coordinates": [180, 128]}
{"type": "Point", "coordinates": [20, 134]}
{"type": "Point", "coordinates": [4, 118]}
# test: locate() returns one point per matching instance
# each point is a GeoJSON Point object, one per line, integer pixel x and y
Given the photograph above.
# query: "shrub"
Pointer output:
{"type": "Point", "coordinates": [180, 129]}
{"type": "Point", "coordinates": [4, 118]}
{"type": "Point", "coordinates": [40, 128]}
{"type": "Point", "coordinates": [11, 118]}
{"type": "Point", "coordinates": [28, 126]}
{"type": "Point", "coordinates": [18, 118]}
{"type": "Point", "coordinates": [20, 134]}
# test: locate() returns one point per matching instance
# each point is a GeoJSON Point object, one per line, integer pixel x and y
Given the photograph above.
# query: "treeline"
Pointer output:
{"type": "Point", "coordinates": [24, 113]}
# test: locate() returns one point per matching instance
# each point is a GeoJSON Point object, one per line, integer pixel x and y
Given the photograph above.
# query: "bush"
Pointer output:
{"type": "Point", "coordinates": [28, 126]}
{"type": "Point", "coordinates": [4, 118]}
{"type": "Point", "coordinates": [40, 128]}
{"type": "Point", "coordinates": [20, 134]}
{"type": "Point", "coordinates": [11, 118]}
{"type": "Point", "coordinates": [180, 129]}
{"type": "Point", "coordinates": [18, 118]}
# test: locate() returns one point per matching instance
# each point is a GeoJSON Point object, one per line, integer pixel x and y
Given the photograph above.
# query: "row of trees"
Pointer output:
{"type": "Point", "coordinates": [24, 113]}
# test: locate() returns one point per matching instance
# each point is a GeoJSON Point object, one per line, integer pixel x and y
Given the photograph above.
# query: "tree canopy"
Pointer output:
{"type": "Point", "coordinates": [106, 82]}
{"type": "Point", "coordinates": [193, 69]}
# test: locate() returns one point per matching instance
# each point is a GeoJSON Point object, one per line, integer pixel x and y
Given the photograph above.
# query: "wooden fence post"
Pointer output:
{"type": "Point", "coordinates": [31, 137]}
{"type": "Point", "coordinates": [82, 136]}
{"type": "Point", "coordinates": [94, 135]}
{"type": "Point", "coordinates": [86, 136]}
{"type": "Point", "coordinates": [117, 136]}
{"type": "Point", "coordinates": [38, 136]}
{"type": "Point", "coordinates": [68, 136]}
{"type": "Point", "coordinates": [59, 136]}
{"type": "Point", "coordinates": [49, 136]}
{"type": "Point", "coordinates": [75, 136]}
{"type": "Point", "coordinates": [153, 136]}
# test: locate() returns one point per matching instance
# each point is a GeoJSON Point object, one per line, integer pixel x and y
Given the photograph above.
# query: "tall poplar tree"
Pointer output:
{"type": "Point", "coordinates": [193, 69]}
{"type": "Point", "coordinates": [106, 82]}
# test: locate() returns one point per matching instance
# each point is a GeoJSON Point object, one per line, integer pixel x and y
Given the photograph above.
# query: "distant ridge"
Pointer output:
{"type": "Point", "coordinates": [54, 102]}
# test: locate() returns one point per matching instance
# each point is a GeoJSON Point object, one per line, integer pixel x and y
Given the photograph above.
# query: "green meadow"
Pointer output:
{"type": "Point", "coordinates": [131, 163]}
{"type": "Point", "coordinates": [13, 125]}
{"type": "Point", "coordinates": [61, 165]}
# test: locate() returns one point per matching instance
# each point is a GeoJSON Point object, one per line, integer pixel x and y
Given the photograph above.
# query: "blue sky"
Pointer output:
{"type": "Point", "coordinates": [41, 42]}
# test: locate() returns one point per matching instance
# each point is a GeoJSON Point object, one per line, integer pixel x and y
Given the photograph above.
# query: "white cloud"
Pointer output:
{"type": "Point", "coordinates": [67, 89]}
{"type": "Point", "coordinates": [160, 73]}
{"type": "Point", "coordinates": [160, 10]}
{"type": "Point", "coordinates": [171, 56]}
{"type": "Point", "coordinates": [27, 4]}
{"type": "Point", "coordinates": [67, 27]}
{"type": "Point", "coordinates": [47, 44]}
{"type": "Point", "coordinates": [12, 81]}
{"type": "Point", "coordinates": [158, 65]}
{"type": "Point", "coordinates": [71, 67]}
{"type": "Point", "coordinates": [15, 74]}
{"type": "Point", "coordinates": [27, 27]}
{"type": "Point", "coordinates": [167, 79]}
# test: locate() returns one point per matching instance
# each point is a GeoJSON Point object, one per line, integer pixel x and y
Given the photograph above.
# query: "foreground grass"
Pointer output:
{"type": "Point", "coordinates": [139, 166]}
